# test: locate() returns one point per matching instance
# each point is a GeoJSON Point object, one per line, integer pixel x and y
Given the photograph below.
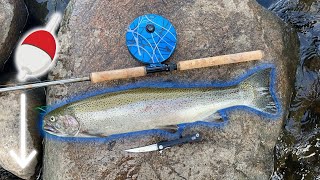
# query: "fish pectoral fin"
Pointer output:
{"type": "Point", "coordinates": [169, 128]}
{"type": "Point", "coordinates": [215, 117]}
{"type": "Point", "coordinates": [92, 133]}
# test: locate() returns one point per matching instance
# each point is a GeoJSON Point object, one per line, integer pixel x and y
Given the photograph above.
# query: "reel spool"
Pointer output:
{"type": "Point", "coordinates": [151, 39]}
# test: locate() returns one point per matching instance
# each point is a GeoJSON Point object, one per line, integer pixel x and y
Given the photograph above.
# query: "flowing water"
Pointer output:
{"type": "Point", "coordinates": [297, 151]}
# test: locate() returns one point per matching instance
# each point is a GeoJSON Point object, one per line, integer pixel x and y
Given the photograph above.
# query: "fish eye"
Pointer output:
{"type": "Point", "coordinates": [52, 119]}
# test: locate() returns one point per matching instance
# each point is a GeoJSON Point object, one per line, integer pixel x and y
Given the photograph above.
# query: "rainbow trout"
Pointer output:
{"type": "Point", "coordinates": [151, 108]}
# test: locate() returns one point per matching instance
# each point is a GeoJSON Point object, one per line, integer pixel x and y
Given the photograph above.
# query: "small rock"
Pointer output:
{"type": "Point", "coordinates": [13, 17]}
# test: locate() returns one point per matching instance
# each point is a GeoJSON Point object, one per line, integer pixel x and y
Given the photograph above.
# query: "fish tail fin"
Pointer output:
{"type": "Point", "coordinates": [260, 84]}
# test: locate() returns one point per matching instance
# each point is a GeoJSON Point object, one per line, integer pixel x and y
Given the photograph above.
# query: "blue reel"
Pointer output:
{"type": "Point", "coordinates": [151, 39]}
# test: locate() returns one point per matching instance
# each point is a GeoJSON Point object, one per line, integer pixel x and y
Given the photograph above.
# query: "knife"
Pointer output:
{"type": "Point", "coordinates": [166, 144]}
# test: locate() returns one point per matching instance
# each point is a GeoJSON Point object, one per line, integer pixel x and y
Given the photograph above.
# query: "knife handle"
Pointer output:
{"type": "Point", "coordinates": [183, 140]}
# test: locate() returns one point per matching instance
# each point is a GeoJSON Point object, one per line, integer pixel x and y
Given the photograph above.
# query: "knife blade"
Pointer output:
{"type": "Point", "coordinates": [166, 144]}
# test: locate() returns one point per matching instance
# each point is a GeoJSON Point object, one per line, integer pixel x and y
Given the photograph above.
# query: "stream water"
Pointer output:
{"type": "Point", "coordinates": [297, 151]}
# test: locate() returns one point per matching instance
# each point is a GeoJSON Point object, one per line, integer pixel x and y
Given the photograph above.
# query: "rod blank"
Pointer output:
{"type": "Point", "coordinates": [43, 84]}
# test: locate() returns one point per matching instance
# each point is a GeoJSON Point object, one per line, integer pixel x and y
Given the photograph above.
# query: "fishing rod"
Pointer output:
{"type": "Point", "coordinates": [96, 77]}
{"type": "Point", "coordinates": [151, 39]}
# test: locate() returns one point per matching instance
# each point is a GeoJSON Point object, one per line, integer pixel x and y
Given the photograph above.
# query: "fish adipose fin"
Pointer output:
{"type": "Point", "coordinates": [260, 84]}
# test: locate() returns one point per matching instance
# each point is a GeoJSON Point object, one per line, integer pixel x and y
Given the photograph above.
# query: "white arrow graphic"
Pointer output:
{"type": "Point", "coordinates": [23, 160]}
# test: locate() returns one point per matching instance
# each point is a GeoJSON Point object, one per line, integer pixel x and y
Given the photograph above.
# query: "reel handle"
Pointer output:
{"type": "Point", "coordinates": [220, 60]}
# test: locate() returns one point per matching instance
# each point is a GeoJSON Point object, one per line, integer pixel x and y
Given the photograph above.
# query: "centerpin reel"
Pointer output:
{"type": "Point", "coordinates": [152, 39]}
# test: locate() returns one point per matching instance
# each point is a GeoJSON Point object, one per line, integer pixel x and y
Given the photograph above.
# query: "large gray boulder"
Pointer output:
{"type": "Point", "coordinates": [10, 128]}
{"type": "Point", "coordinates": [13, 17]}
{"type": "Point", "coordinates": [92, 38]}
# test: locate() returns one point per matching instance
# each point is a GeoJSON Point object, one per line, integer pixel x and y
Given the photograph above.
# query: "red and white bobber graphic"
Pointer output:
{"type": "Point", "coordinates": [37, 50]}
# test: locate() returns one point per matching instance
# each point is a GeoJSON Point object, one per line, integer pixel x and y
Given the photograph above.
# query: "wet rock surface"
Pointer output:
{"type": "Point", "coordinates": [93, 39]}
{"type": "Point", "coordinates": [13, 17]}
{"type": "Point", "coordinates": [10, 130]}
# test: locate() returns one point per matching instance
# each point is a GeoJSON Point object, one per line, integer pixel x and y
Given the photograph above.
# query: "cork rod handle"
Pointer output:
{"type": "Point", "coordinates": [220, 60]}
{"type": "Point", "coordinates": [118, 74]}
{"type": "Point", "coordinates": [182, 65]}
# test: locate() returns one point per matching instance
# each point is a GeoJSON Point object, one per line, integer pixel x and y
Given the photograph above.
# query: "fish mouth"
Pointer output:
{"type": "Point", "coordinates": [54, 131]}
{"type": "Point", "coordinates": [50, 130]}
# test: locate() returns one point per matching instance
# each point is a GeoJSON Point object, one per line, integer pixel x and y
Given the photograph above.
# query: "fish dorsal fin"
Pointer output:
{"type": "Point", "coordinates": [169, 128]}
